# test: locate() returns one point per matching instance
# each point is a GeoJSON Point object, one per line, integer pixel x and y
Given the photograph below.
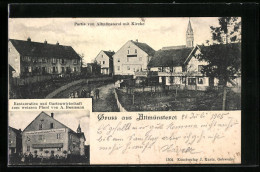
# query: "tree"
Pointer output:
{"type": "Point", "coordinates": [96, 68]}
{"type": "Point", "coordinates": [224, 59]}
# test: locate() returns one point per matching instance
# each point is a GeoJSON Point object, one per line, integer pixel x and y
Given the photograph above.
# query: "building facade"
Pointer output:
{"type": "Point", "coordinates": [132, 57]}
{"type": "Point", "coordinates": [46, 136]}
{"type": "Point", "coordinates": [29, 58]}
{"type": "Point", "coordinates": [105, 59]}
{"type": "Point", "coordinates": [14, 141]}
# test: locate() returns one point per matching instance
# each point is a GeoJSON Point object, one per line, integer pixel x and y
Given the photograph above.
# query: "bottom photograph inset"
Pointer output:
{"type": "Point", "coordinates": [48, 138]}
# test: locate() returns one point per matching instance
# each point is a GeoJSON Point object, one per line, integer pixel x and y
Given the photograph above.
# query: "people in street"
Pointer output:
{"type": "Point", "coordinates": [92, 93]}
{"type": "Point", "coordinates": [97, 93]}
{"type": "Point", "coordinates": [76, 94]}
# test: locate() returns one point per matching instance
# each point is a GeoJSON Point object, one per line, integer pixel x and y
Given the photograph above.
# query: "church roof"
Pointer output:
{"type": "Point", "coordinates": [189, 29]}
{"type": "Point", "coordinates": [146, 48]}
{"type": "Point", "coordinates": [170, 58]}
{"type": "Point", "coordinates": [37, 49]}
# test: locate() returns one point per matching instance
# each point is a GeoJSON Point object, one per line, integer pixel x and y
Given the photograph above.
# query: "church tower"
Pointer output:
{"type": "Point", "coordinates": [189, 36]}
{"type": "Point", "coordinates": [79, 129]}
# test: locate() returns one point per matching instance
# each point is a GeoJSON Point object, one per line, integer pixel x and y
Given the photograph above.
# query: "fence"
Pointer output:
{"type": "Point", "coordinates": [120, 107]}
{"type": "Point", "coordinates": [57, 91]}
{"type": "Point", "coordinates": [31, 79]}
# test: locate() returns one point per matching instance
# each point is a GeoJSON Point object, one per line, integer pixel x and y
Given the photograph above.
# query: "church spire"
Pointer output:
{"type": "Point", "coordinates": [189, 36]}
{"type": "Point", "coordinates": [79, 129]}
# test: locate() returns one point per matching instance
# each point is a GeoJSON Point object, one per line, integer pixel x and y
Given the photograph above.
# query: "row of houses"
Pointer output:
{"type": "Point", "coordinates": [27, 58]}
{"type": "Point", "coordinates": [45, 136]}
{"type": "Point", "coordinates": [173, 65]}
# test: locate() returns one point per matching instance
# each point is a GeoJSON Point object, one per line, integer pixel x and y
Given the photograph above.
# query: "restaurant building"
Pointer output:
{"type": "Point", "coordinates": [46, 136]}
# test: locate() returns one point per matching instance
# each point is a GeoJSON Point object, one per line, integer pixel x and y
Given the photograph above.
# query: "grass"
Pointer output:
{"type": "Point", "coordinates": [185, 100]}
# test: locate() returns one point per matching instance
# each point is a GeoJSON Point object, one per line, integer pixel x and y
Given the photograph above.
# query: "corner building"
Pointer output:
{"type": "Point", "coordinates": [48, 136]}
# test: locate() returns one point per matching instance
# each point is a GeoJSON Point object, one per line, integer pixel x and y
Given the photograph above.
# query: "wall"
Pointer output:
{"type": "Point", "coordinates": [132, 63]}
{"type": "Point", "coordinates": [193, 64]}
{"type": "Point", "coordinates": [101, 58]}
{"type": "Point", "coordinates": [47, 138]}
{"type": "Point", "coordinates": [14, 59]}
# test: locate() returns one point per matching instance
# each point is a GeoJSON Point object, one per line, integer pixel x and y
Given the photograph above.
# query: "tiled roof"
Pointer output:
{"type": "Point", "coordinates": [109, 53]}
{"type": "Point", "coordinates": [146, 48]}
{"type": "Point", "coordinates": [169, 58]}
{"type": "Point", "coordinates": [36, 49]}
{"type": "Point", "coordinates": [18, 132]}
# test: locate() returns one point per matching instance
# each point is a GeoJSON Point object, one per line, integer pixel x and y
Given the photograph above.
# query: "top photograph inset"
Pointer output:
{"type": "Point", "coordinates": [128, 64]}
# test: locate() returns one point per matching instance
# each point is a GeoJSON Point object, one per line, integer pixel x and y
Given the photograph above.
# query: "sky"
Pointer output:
{"type": "Point", "coordinates": [21, 119]}
{"type": "Point", "coordinates": [89, 39]}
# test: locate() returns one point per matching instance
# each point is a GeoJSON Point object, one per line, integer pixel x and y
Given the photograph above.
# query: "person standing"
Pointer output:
{"type": "Point", "coordinates": [92, 93]}
{"type": "Point", "coordinates": [97, 93]}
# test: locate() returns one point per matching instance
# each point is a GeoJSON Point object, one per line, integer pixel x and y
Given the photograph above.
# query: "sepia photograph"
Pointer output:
{"type": "Point", "coordinates": [48, 138]}
{"type": "Point", "coordinates": [128, 64]}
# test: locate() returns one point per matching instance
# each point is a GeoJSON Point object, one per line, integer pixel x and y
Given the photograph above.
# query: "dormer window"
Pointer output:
{"type": "Point", "coordinates": [40, 126]}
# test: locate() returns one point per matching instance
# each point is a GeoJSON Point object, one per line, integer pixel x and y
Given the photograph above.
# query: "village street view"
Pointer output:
{"type": "Point", "coordinates": [135, 77]}
{"type": "Point", "coordinates": [187, 71]}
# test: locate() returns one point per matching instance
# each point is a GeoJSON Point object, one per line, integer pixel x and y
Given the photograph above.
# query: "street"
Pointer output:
{"type": "Point", "coordinates": [106, 101]}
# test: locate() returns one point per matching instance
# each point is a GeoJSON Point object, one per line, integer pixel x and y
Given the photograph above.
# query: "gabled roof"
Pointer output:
{"type": "Point", "coordinates": [170, 58]}
{"type": "Point", "coordinates": [17, 132]}
{"type": "Point", "coordinates": [146, 48]}
{"type": "Point", "coordinates": [48, 116]}
{"type": "Point", "coordinates": [36, 49]}
{"type": "Point", "coordinates": [109, 54]}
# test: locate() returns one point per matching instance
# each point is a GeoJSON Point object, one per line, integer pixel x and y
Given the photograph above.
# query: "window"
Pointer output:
{"type": "Point", "coordinates": [118, 67]}
{"type": "Point", "coordinates": [128, 67]}
{"type": "Point", "coordinates": [58, 149]}
{"type": "Point", "coordinates": [127, 59]}
{"type": "Point", "coordinates": [75, 61]}
{"type": "Point", "coordinates": [118, 60]}
{"type": "Point", "coordinates": [62, 69]}
{"type": "Point", "coordinates": [103, 62]}
{"type": "Point", "coordinates": [140, 58]}
{"type": "Point", "coordinates": [54, 60]}
{"type": "Point", "coordinates": [75, 69]}
{"type": "Point", "coordinates": [135, 50]}
{"type": "Point", "coordinates": [171, 79]}
{"type": "Point", "coordinates": [200, 80]}
{"type": "Point", "coordinates": [43, 70]}
{"type": "Point", "coordinates": [128, 51]}
{"type": "Point", "coordinates": [28, 148]}
{"type": "Point", "coordinates": [41, 137]}
{"type": "Point", "coordinates": [200, 67]}
{"type": "Point", "coordinates": [192, 81]}
{"type": "Point", "coordinates": [58, 136]}
{"type": "Point", "coordinates": [40, 126]}
{"type": "Point", "coordinates": [51, 125]}
{"type": "Point", "coordinates": [184, 80]}
{"type": "Point", "coordinates": [53, 69]}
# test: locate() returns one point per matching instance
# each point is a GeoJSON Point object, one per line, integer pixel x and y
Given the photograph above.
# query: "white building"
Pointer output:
{"type": "Point", "coordinates": [105, 59]}
{"type": "Point", "coordinates": [131, 57]}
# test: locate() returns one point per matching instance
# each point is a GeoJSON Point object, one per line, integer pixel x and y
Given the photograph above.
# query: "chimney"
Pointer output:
{"type": "Point", "coordinates": [57, 43]}
{"type": "Point", "coordinates": [52, 115]}
{"type": "Point", "coordinates": [136, 40]}
{"type": "Point", "coordinates": [45, 42]}
{"type": "Point", "coordinates": [29, 39]}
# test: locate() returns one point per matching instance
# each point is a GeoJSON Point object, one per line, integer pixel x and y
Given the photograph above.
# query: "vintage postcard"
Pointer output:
{"type": "Point", "coordinates": [153, 90]}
